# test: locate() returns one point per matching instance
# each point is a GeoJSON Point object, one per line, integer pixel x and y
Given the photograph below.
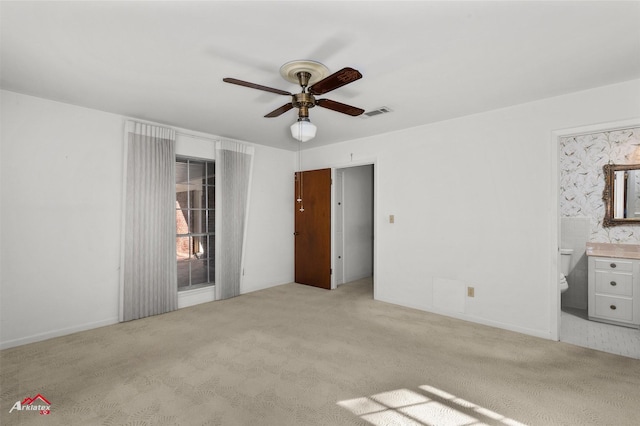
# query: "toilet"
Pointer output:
{"type": "Point", "coordinates": [565, 264]}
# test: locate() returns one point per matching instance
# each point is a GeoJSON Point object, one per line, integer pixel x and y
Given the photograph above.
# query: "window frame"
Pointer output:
{"type": "Point", "coordinates": [208, 189]}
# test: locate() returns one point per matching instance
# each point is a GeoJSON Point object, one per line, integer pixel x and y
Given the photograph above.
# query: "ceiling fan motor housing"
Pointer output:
{"type": "Point", "coordinates": [303, 101]}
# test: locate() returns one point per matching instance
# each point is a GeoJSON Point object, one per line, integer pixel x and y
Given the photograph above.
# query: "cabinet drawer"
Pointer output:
{"type": "Point", "coordinates": [614, 283]}
{"type": "Point", "coordinates": [612, 264]}
{"type": "Point", "coordinates": [615, 308]}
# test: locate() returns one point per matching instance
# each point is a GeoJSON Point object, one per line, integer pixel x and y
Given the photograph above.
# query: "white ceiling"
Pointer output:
{"type": "Point", "coordinates": [426, 61]}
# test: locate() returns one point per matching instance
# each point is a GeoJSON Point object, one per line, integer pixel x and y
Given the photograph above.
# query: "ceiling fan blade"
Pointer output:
{"type": "Point", "coordinates": [276, 112]}
{"type": "Point", "coordinates": [335, 80]}
{"type": "Point", "coordinates": [255, 86]}
{"type": "Point", "coordinates": [340, 107]}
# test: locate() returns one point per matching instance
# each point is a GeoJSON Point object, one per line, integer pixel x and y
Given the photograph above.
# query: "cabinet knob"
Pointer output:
{"type": "Point", "coordinates": [613, 307]}
{"type": "Point", "coordinates": [613, 283]}
{"type": "Point", "coordinates": [613, 265]}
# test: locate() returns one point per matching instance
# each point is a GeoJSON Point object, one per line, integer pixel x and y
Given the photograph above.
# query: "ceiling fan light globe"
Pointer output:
{"type": "Point", "coordinates": [303, 130]}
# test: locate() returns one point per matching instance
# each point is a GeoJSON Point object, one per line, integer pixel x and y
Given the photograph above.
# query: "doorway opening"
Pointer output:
{"type": "Point", "coordinates": [579, 220]}
{"type": "Point", "coordinates": [353, 224]}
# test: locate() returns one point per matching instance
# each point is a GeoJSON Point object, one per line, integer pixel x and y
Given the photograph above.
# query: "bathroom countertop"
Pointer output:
{"type": "Point", "coordinates": [624, 251]}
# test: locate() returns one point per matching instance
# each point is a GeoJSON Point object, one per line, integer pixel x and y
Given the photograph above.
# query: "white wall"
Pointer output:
{"type": "Point", "coordinates": [269, 252]}
{"type": "Point", "coordinates": [494, 225]}
{"type": "Point", "coordinates": [61, 201]}
{"type": "Point", "coordinates": [61, 185]}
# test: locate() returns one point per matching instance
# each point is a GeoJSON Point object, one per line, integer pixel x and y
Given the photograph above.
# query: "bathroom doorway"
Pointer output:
{"type": "Point", "coordinates": [581, 154]}
{"type": "Point", "coordinates": [353, 227]}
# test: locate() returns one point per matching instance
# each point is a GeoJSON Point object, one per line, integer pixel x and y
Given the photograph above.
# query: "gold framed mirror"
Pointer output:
{"type": "Point", "coordinates": [621, 194]}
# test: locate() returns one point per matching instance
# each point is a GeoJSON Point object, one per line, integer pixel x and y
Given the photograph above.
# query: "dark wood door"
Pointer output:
{"type": "Point", "coordinates": [313, 228]}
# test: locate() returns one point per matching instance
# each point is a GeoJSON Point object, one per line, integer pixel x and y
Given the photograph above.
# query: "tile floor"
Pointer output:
{"type": "Point", "coordinates": [576, 329]}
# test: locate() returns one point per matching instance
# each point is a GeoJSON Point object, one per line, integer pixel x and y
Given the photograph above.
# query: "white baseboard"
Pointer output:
{"type": "Point", "coordinates": [57, 333]}
{"type": "Point", "coordinates": [478, 320]}
{"type": "Point", "coordinates": [246, 289]}
{"type": "Point", "coordinates": [185, 299]}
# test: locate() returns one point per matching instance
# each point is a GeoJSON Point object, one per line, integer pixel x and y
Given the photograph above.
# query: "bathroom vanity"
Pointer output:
{"type": "Point", "coordinates": [614, 283]}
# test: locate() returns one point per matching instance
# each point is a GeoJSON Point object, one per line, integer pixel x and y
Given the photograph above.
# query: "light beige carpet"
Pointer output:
{"type": "Point", "coordinates": [297, 355]}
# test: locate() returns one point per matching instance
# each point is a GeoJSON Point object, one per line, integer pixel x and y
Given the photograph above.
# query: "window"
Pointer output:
{"type": "Point", "coordinates": [195, 222]}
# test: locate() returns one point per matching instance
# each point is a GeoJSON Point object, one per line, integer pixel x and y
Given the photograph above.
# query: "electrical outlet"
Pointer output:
{"type": "Point", "coordinates": [392, 218]}
{"type": "Point", "coordinates": [470, 292]}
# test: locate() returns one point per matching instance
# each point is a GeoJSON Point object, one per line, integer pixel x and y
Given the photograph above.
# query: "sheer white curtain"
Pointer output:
{"type": "Point", "coordinates": [234, 163]}
{"type": "Point", "coordinates": [148, 267]}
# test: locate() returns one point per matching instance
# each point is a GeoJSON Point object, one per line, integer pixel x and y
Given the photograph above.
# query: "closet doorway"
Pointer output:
{"type": "Point", "coordinates": [353, 224]}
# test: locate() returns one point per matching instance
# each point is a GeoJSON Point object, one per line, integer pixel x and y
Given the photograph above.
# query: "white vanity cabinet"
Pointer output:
{"type": "Point", "coordinates": [614, 290]}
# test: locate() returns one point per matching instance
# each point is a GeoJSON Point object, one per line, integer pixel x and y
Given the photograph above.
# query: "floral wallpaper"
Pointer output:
{"type": "Point", "coordinates": [582, 179]}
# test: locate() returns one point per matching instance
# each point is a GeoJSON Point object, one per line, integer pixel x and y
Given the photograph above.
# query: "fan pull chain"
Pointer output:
{"type": "Point", "coordinates": [301, 189]}
{"type": "Point", "coordinates": [300, 184]}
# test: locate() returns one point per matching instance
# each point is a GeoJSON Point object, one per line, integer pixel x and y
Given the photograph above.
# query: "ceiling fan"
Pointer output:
{"type": "Point", "coordinates": [313, 80]}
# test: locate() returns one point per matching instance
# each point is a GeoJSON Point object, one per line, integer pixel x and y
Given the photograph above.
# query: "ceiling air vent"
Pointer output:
{"type": "Point", "coordinates": [377, 111]}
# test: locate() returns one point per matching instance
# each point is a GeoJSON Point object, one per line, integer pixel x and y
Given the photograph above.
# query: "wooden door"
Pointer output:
{"type": "Point", "coordinates": [313, 228]}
